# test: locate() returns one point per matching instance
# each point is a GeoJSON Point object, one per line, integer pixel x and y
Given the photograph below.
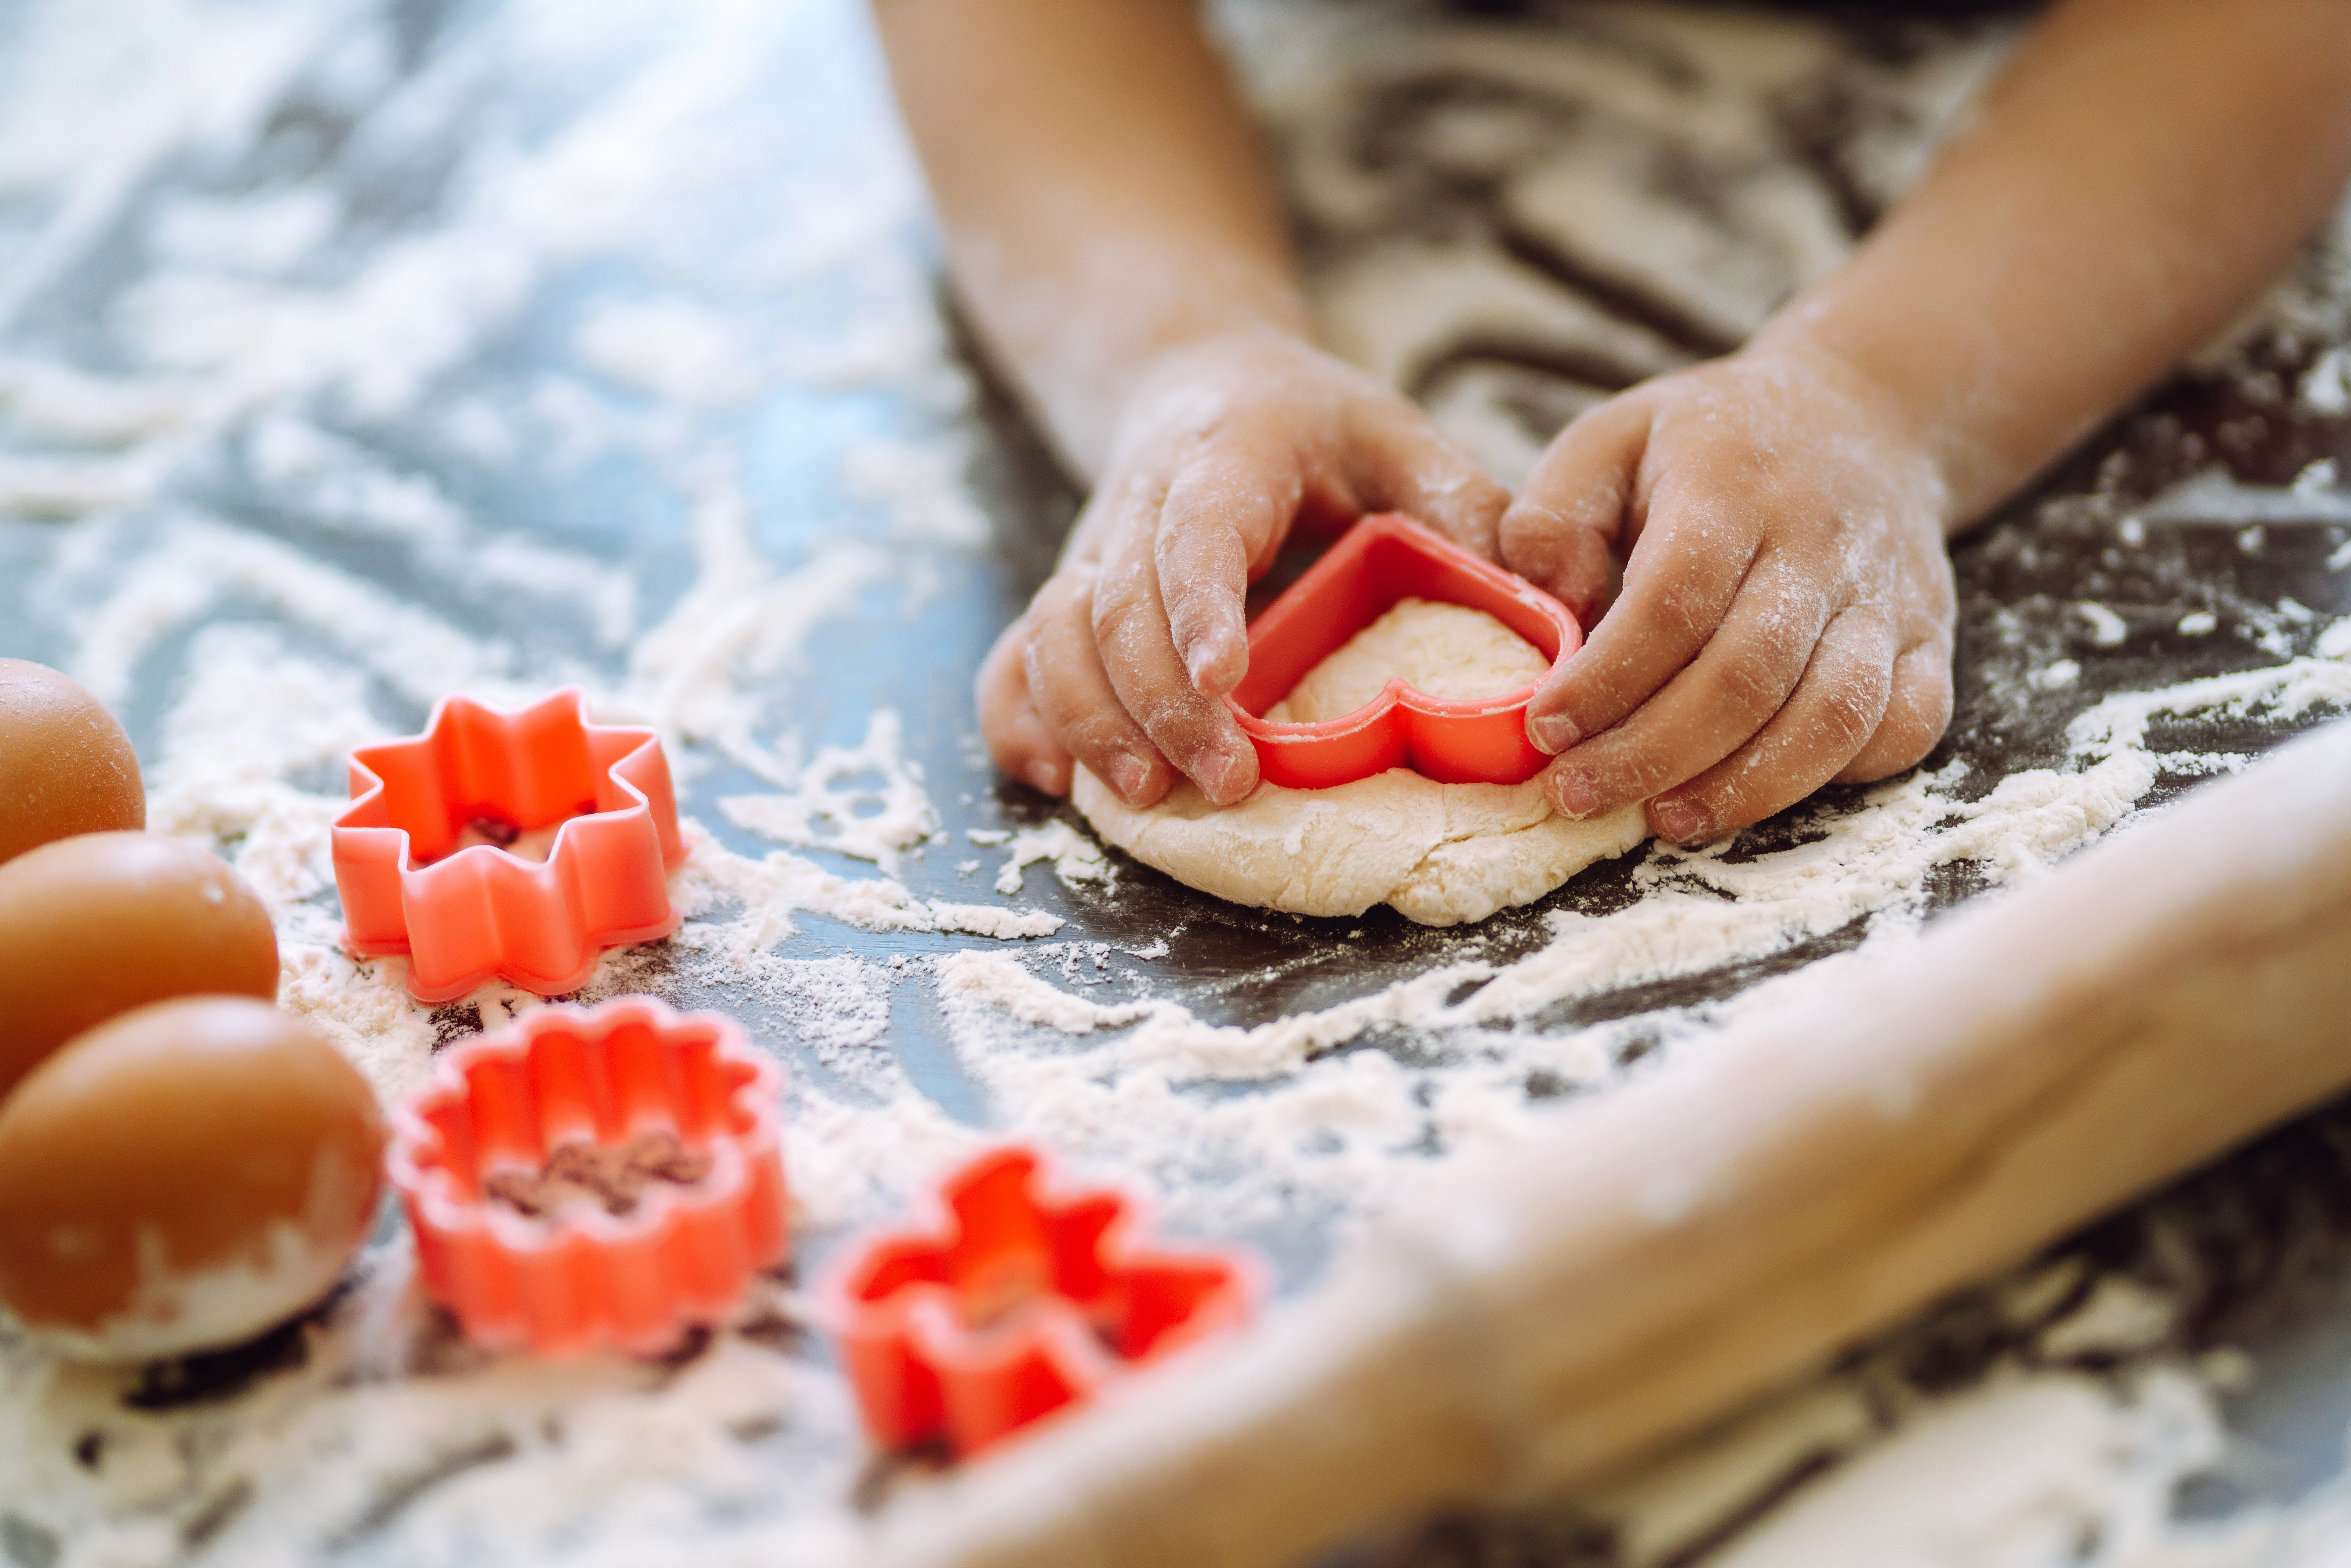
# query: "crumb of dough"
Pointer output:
{"type": "Point", "coordinates": [500, 833]}
{"type": "Point", "coordinates": [612, 1176]}
{"type": "Point", "coordinates": [1446, 651]}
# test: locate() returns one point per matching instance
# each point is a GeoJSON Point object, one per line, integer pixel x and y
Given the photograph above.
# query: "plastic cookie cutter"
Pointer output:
{"type": "Point", "coordinates": [426, 855]}
{"type": "Point", "coordinates": [594, 1178]}
{"type": "Point", "coordinates": [1374, 564]}
{"type": "Point", "coordinates": [1011, 1300]}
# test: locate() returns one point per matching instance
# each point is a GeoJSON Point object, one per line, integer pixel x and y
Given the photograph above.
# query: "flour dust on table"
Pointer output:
{"type": "Point", "coordinates": [354, 354]}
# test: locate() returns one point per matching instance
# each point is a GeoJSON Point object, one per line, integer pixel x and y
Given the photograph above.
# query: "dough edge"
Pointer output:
{"type": "Point", "coordinates": [1440, 854]}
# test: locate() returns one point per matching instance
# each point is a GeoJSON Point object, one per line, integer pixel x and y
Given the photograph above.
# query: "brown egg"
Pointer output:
{"type": "Point", "coordinates": [95, 926]}
{"type": "Point", "coordinates": [65, 766]}
{"type": "Point", "coordinates": [182, 1176]}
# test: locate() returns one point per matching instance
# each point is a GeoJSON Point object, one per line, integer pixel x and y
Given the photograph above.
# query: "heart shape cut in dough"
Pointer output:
{"type": "Point", "coordinates": [1380, 559]}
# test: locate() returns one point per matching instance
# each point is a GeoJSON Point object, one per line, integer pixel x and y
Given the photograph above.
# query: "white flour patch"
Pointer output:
{"type": "Point", "coordinates": [864, 800]}
{"type": "Point", "coordinates": [769, 891]}
{"type": "Point", "coordinates": [1074, 858]}
{"type": "Point", "coordinates": [2020, 1471]}
{"type": "Point", "coordinates": [2214, 496]}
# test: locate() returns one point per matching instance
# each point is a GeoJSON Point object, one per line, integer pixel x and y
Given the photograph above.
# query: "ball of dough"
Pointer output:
{"type": "Point", "coordinates": [65, 766]}
{"type": "Point", "coordinates": [1439, 854]}
{"type": "Point", "coordinates": [97, 925]}
{"type": "Point", "coordinates": [181, 1177]}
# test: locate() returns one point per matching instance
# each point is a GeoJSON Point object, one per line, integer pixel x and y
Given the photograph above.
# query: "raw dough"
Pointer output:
{"type": "Point", "coordinates": [1440, 853]}
{"type": "Point", "coordinates": [1447, 651]}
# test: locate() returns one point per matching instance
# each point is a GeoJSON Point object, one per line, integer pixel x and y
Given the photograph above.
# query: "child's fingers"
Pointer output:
{"type": "Point", "coordinates": [1400, 461]}
{"type": "Point", "coordinates": [1194, 731]}
{"type": "Point", "coordinates": [1683, 579]}
{"type": "Point", "coordinates": [1712, 706]}
{"type": "Point", "coordinates": [1561, 531]}
{"type": "Point", "coordinates": [1074, 697]}
{"type": "Point", "coordinates": [1016, 737]}
{"type": "Point", "coordinates": [1916, 715]}
{"type": "Point", "coordinates": [1840, 703]}
{"type": "Point", "coordinates": [1577, 566]}
{"type": "Point", "coordinates": [1228, 509]}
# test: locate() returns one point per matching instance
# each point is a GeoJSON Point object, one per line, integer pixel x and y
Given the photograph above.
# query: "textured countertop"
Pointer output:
{"type": "Point", "coordinates": [353, 353]}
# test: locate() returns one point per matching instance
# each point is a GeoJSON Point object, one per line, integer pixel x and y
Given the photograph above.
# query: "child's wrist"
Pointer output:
{"type": "Point", "coordinates": [1913, 436]}
{"type": "Point", "coordinates": [1225, 354]}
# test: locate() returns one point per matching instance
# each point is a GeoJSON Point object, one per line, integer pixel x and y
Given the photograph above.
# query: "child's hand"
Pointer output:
{"type": "Point", "coordinates": [1124, 656]}
{"type": "Point", "coordinates": [1785, 618]}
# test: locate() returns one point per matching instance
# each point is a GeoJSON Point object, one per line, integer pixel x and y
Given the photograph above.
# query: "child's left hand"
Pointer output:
{"type": "Point", "coordinates": [1785, 619]}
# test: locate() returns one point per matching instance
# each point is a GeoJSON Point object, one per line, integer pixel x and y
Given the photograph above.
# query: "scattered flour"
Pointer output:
{"type": "Point", "coordinates": [1074, 858]}
{"type": "Point", "coordinates": [827, 790]}
{"type": "Point", "coordinates": [2214, 496]}
{"type": "Point", "coordinates": [2020, 1472]}
{"type": "Point", "coordinates": [2326, 385]}
{"type": "Point", "coordinates": [2119, 1317]}
{"type": "Point", "coordinates": [276, 336]}
{"type": "Point", "coordinates": [2057, 676]}
{"type": "Point", "coordinates": [2107, 630]}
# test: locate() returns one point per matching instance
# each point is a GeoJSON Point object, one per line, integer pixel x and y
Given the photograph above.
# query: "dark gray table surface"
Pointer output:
{"type": "Point", "coordinates": [2255, 1247]}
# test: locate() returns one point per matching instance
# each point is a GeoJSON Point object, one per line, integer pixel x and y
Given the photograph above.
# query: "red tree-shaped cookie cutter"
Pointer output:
{"type": "Point", "coordinates": [579, 1278]}
{"type": "Point", "coordinates": [1008, 1302]}
{"type": "Point", "coordinates": [1375, 563]}
{"type": "Point", "coordinates": [467, 916]}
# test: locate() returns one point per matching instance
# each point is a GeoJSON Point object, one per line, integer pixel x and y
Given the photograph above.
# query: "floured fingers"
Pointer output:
{"type": "Point", "coordinates": [1826, 724]}
{"type": "Point", "coordinates": [1148, 680]}
{"type": "Point", "coordinates": [1073, 697]}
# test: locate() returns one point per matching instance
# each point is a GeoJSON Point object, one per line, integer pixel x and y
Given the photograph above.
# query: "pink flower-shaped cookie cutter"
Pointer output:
{"type": "Point", "coordinates": [1008, 1300]}
{"type": "Point", "coordinates": [1376, 563]}
{"type": "Point", "coordinates": [580, 1278]}
{"type": "Point", "coordinates": [462, 915]}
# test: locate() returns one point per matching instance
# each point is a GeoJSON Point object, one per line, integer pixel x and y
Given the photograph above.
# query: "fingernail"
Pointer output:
{"type": "Point", "coordinates": [1678, 820]}
{"type": "Point", "coordinates": [1575, 795]}
{"type": "Point", "coordinates": [1044, 776]}
{"type": "Point", "coordinates": [1128, 774]}
{"type": "Point", "coordinates": [1205, 655]}
{"type": "Point", "coordinates": [1553, 732]}
{"type": "Point", "coordinates": [1221, 773]}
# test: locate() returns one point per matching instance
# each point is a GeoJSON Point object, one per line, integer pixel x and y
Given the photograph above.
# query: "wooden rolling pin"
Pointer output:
{"type": "Point", "coordinates": [1678, 1246]}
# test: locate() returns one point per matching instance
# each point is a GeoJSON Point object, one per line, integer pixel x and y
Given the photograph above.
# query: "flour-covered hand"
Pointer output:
{"type": "Point", "coordinates": [1786, 608]}
{"type": "Point", "coordinates": [1124, 658]}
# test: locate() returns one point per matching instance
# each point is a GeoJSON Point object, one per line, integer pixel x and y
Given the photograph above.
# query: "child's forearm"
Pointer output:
{"type": "Point", "coordinates": [1101, 188]}
{"type": "Point", "coordinates": [2143, 170]}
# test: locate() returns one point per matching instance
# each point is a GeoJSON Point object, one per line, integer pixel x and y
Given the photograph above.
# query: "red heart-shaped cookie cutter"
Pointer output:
{"type": "Point", "coordinates": [1380, 559]}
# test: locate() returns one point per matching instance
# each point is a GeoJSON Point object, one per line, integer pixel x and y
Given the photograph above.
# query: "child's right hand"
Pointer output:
{"type": "Point", "coordinates": [1124, 658]}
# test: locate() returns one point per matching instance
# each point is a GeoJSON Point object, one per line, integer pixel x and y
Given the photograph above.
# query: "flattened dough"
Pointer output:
{"type": "Point", "coordinates": [1447, 651]}
{"type": "Point", "coordinates": [1440, 853]}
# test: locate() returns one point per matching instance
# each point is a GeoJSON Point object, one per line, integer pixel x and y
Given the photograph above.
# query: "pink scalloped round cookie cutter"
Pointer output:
{"type": "Point", "coordinates": [1374, 564]}
{"type": "Point", "coordinates": [481, 911]}
{"type": "Point", "coordinates": [581, 1279]}
{"type": "Point", "coordinates": [1009, 1297]}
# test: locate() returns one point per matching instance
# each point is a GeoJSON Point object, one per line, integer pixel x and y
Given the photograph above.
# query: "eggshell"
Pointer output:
{"type": "Point", "coordinates": [95, 926]}
{"type": "Point", "coordinates": [181, 1177]}
{"type": "Point", "coordinates": [65, 766]}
